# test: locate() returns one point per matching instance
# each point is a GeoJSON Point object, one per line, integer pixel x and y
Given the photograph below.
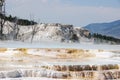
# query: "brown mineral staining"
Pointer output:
{"type": "Point", "coordinates": [68, 64]}
{"type": "Point", "coordinates": [94, 67]}
{"type": "Point", "coordinates": [23, 50]}
{"type": "Point", "coordinates": [74, 53]}
{"type": "Point", "coordinates": [109, 67]}
{"type": "Point", "coordinates": [3, 50]}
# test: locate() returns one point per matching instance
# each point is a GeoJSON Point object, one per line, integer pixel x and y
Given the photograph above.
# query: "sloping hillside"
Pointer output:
{"type": "Point", "coordinates": [109, 29]}
{"type": "Point", "coordinates": [57, 32]}
{"type": "Point", "coordinates": [49, 32]}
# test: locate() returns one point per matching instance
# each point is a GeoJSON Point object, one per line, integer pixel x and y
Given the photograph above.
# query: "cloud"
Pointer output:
{"type": "Point", "coordinates": [44, 1]}
{"type": "Point", "coordinates": [54, 11]}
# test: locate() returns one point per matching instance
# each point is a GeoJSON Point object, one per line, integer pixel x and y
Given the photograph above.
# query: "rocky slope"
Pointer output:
{"type": "Point", "coordinates": [49, 32]}
{"type": "Point", "coordinates": [73, 75]}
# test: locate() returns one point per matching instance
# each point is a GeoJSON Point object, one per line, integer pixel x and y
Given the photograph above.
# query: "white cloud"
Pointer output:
{"type": "Point", "coordinates": [44, 1]}
{"type": "Point", "coordinates": [53, 11]}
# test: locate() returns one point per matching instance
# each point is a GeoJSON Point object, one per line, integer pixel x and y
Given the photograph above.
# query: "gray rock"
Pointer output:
{"type": "Point", "coordinates": [13, 74]}
{"type": "Point", "coordinates": [2, 75]}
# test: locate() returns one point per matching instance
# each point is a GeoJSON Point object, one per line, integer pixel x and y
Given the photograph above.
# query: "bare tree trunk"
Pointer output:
{"type": "Point", "coordinates": [32, 38]}
{"type": "Point", "coordinates": [2, 22]}
{"type": "Point", "coordinates": [35, 29]}
{"type": "Point", "coordinates": [2, 18]}
{"type": "Point", "coordinates": [1, 30]}
{"type": "Point", "coordinates": [17, 33]}
{"type": "Point", "coordinates": [16, 29]}
{"type": "Point", "coordinates": [33, 33]}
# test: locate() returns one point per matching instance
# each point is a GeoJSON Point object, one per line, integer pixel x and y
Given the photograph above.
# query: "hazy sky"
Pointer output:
{"type": "Point", "coordinates": [76, 12]}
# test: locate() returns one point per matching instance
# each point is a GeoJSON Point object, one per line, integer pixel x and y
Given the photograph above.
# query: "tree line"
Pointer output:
{"type": "Point", "coordinates": [23, 22]}
{"type": "Point", "coordinates": [107, 38]}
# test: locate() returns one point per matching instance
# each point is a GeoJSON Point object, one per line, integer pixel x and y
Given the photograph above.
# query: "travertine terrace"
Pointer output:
{"type": "Point", "coordinates": [59, 64]}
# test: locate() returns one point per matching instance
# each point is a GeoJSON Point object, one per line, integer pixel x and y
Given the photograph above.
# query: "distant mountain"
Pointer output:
{"type": "Point", "coordinates": [109, 29]}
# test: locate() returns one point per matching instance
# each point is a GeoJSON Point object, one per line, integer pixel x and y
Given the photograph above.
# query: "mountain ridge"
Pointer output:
{"type": "Point", "coordinates": [108, 29]}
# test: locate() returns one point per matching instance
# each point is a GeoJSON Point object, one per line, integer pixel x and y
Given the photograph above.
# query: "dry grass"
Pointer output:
{"type": "Point", "coordinates": [74, 53]}
{"type": "Point", "coordinates": [22, 50]}
{"type": "Point", "coordinates": [3, 49]}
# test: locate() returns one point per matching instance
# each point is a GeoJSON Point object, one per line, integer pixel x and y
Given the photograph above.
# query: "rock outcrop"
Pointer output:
{"type": "Point", "coordinates": [59, 32]}
{"type": "Point", "coordinates": [92, 72]}
{"type": "Point", "coordinates": [49, 32]}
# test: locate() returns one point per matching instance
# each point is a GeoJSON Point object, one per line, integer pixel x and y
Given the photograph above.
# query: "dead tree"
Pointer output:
{"type": "Point", "coordinates": [2, 18]}
{"type": "Point", "coordinates": [2, 22]}
{"type": "Point", "coordinates": [35, 29]}
{"type": "Point", "coordinates": [15, 27]}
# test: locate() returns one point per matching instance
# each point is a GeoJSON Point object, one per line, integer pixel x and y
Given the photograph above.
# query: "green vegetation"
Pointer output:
{"type": "Point", "coordinates": [104, 38]}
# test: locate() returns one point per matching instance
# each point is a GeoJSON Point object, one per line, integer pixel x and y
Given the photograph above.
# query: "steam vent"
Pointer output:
{"type": "Point", "coordinates": [60, 64]}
